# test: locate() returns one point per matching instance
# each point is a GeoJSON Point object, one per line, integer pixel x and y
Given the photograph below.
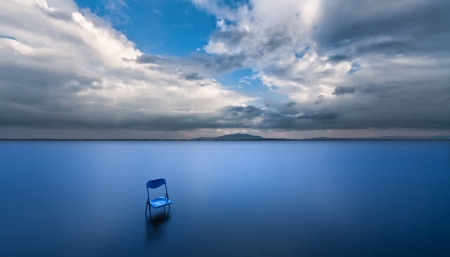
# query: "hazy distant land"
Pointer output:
{"type": "Point", "coordinates": [247, 137]}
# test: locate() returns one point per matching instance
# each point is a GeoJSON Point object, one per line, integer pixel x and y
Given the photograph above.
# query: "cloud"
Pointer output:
{"type": "Point", "coordinates": [343, 90]}
{"type": "Point", "coordinates": [390, 55]}
{"type": "Point", "coordinates": [66, 68]}
{"type": "Point", "coordinates": [158, 12]}
{"type": "Point", "coordinates": [239, 116]}
{"type": "Point", "coordinates": [115, 11]}
{"type": "Point", "coordinates": [319, 116]}
{"type": "Point", "coordinates": [339, 58]}
{"type": "Point", "coordinates": [200, 63]}
{"type": "Point", "coordinates": [62, 67]}
{"type": "Point", "coordinates": [379, 90]}
{"type": "Point", "coordinates": [192, 76]}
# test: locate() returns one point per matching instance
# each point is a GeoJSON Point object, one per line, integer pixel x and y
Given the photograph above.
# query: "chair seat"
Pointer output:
{"type": "Point", "coordinates": [159, 202]}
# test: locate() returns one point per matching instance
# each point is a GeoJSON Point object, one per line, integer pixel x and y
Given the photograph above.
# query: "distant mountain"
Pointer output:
{"type": "Point", "coordinates": [239, 137]}
{"type": "Point", "coordinates": [247, 137]}
{"type": "Point", "coordinates": [232, 137]}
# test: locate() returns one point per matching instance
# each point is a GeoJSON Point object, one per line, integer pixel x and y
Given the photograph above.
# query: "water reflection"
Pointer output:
{"type": "Point", "coordinates": [156, 223]}
{"type": "Point", "coordinates": [232, 199]}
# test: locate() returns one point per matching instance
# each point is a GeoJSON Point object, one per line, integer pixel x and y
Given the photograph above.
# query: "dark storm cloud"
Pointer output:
{"type": "Point", "coordinates": [386, 27]}
{"type": "Point", "coordinates": [302, 118]}
{"type": "Point", "coordinates": [98, 120]}
{"type": "Point", "coordinates": [291, 104]}
{"type": "Point", "coordinates": [339, 58]}
{"type": "Point", "coordinates": [44, 89]}
{"type": "Point", "coordinates": [343, 90]}
{"type": "Point", "coordinates": [290, 107]}
{"type": "Point", "coordinates": [287, 116]}
{"type": "Point", "coordinates": [240, 113]}
{"type": "Point", "coordinates": [319, 99]}
{"type": "Point", "coordinates": [397, 104]}
{"type": "Point", "coordinates": [192, 76]}
{"type": "Point", "coordinates": [382, 91]}
{"type": "Point", "coordinates": [279, 116]}
{"type": "Point", "coordinates": [226, 117]}
{"type": "Point", "coordinates": [323, 115]}
{"type": "Point", "coordinates": [387, 47]}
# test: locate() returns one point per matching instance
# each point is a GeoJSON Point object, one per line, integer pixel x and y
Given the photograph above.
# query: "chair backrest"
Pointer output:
{"type": "Point", "coordinates": [156, 183]}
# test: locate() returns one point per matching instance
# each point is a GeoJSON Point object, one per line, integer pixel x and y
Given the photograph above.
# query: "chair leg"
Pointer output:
{"type": "Point", "coordinates": [149, 207]}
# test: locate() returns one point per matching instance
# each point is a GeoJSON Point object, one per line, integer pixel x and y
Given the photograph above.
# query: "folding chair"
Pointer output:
{"type": "Point", "coordinates": [160, 201]}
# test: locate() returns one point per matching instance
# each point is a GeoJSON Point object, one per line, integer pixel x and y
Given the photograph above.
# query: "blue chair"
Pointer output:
{"type": "Point", "coordinates": [160, 201]}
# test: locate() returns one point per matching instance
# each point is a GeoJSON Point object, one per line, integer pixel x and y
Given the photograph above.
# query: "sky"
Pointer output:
{"type": "Point", "coordinates": [179, 69]}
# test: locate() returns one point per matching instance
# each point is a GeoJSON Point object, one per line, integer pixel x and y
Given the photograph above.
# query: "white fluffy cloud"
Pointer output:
{"type": "Point", "coordinates": [374, 64]}
{"type": "Point", "coordinates": [298, 48]}
{"type": "Point", "coordinates": [59, 63]}
{"type": "Point", "coordinates": [276, 38]}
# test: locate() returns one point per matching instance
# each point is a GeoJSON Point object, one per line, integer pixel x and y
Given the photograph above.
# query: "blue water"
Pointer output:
{"type": "Point", "coordinates": [229, 199]}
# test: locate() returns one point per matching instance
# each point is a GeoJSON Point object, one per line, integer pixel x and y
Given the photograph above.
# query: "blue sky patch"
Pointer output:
{"type": "Point", "coordinates": [162, 27]}
{"type": "Point", "coordinates": [355, 67]}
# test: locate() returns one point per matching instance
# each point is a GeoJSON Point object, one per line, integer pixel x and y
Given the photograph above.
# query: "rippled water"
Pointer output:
{"type": "Point", "coordinates": [229, 199]}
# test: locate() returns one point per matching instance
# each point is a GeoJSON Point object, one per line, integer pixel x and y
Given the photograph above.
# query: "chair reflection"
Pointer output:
{"type": "Point", "coordinates": [156, 224]}
{"type": "Point", "coordinates": [158, 219]}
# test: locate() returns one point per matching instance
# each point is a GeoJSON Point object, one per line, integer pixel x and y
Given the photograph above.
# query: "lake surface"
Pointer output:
{"type": "Point", "coordinates": [229, 199]}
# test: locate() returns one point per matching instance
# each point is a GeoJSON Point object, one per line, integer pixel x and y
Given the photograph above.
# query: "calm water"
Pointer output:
{"type": "Point", "coordinates": [230, 199]}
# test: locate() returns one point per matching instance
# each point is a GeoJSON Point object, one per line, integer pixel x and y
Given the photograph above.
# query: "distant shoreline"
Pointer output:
{"type": "Point", "coordinates": [247, 138]}
{"type": "Point", "coordinates": [240, 140]}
